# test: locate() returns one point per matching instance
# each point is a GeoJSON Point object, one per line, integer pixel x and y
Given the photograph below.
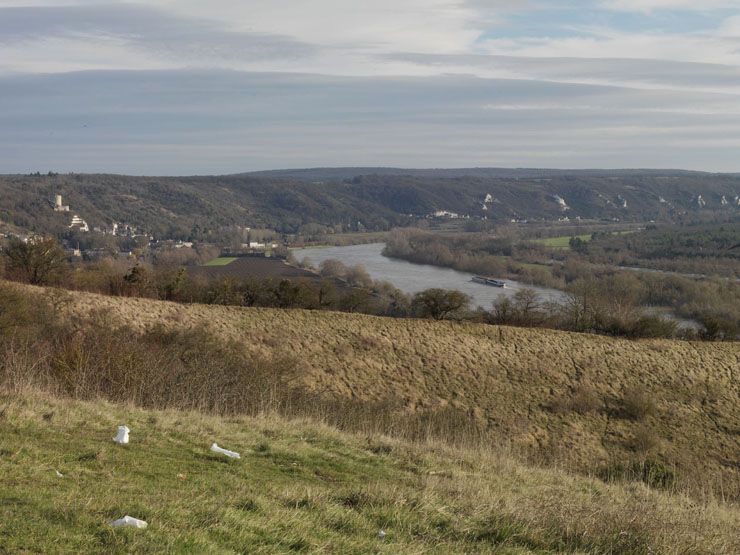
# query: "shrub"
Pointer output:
{"type": "Point", "coordinates": [636, 404]}
{"type": "Point", "coordinates": [719, 328]}
{"type": "Point", "coordinates": [585, 399]}
{"type": "Point", "coordinates": [157, 368]}
{"type": "Point", "coordinates": [655, 474]}
{"type": "Point", "coordinates": [22, 317]}
{"type": "Point", "coordinates": [653, 326]}
{"type": "Point", "coordinates": [651, 472]}
{"type": "Point", "coordinates": [644, 440]}
{"type": "Point", "coordinates": [582, 400]}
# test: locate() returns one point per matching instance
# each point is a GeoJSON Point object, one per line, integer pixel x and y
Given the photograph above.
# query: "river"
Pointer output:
{"type": "Point", "coordinates": [412, 278]}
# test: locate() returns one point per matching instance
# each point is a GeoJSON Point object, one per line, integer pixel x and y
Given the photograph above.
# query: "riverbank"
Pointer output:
{"type": "Point", "coordinates": [412, 278]}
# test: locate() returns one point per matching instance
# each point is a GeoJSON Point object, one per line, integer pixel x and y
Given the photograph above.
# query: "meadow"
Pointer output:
{"type": "Point", "coordinates": [304, 487]}
{"type": "Point", "coordinates": [449, 437]}
{"type": "Point", "coordinates": [590, 404]}
{"type": "Point", "coordinates": [561, 242]}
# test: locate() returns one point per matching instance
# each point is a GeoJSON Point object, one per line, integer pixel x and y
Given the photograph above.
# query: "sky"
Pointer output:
{"type": "Point", "coordinates": [178, 87]}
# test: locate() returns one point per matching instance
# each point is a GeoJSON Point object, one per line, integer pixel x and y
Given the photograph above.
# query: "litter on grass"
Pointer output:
{"type": "Point", "coordinates": [59, 474]}
{"type": "Point", "coordinates": [122, 436]}
{"type": "Point", "coordinates": [216, 449]}
{"type": "Point", "coordinates": [130, 522]}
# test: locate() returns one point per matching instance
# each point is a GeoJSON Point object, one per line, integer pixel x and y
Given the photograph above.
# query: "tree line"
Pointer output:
{"type": "Point", "coordinates": [714, 303]}
{"type": "Point", "coordinates": [607, 305]}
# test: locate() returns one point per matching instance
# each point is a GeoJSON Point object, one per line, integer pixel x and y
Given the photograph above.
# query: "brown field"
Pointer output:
{"type": "Point", "coordinates": [583, 402]}
{"type": "Point", "coordinates": [253, 267]}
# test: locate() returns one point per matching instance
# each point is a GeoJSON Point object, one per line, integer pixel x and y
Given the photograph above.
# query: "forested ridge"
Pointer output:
{"type": "Point", "coordinates": [184, 207]}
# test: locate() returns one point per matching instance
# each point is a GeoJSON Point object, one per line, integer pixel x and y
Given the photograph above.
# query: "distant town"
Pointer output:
{"type": "Point", "coordinates": [142, 238]}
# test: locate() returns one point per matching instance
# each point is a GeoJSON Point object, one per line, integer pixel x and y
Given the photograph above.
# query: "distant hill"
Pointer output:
{"type": "Point", "coordinates": [331, 174]}
{"type": "Point", "coordinates": [343, 199]}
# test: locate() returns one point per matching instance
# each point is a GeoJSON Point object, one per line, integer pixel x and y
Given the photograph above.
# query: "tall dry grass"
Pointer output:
{"type": "Point", "coordinates": [189, 369]}
{"type": "Point", "coordinates": [360, 374]}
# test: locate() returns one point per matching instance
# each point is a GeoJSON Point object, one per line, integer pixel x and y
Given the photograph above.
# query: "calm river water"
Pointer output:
{"type": "Point", "coordinates": [412, 278]}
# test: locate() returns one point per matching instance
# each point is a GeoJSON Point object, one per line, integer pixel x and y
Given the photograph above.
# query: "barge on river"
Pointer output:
{"type": "Point", "coordinates": [489, 281]}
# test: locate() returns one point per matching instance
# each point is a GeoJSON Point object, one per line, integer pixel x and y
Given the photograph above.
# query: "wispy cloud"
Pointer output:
{"type": "Point", "coordinates": [647, 6]}
{"type": "Point", "coordinates": [199, 122]}
{"type": "Point", "coordinates": [229, 85]}
{"type": "Point", "coordinates": [653, 74]}
{"type": "Point", "coordinates": [143, 29]}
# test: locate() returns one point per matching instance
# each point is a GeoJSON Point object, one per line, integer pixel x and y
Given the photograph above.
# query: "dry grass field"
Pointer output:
{"type": "Point", "coordinates": [583, 402]}
{"type": "Point", "coordinates": [250, 267]}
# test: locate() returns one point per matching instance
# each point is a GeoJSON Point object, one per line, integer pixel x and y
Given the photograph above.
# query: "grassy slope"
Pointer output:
{"type": "Point", "coordinates": [302, 487]}
{"type": "Point", "coordinates": [508, 378]}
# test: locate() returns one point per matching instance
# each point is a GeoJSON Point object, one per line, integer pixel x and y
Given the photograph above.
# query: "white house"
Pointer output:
{"type": "Point", "coordinates": [79, 224]}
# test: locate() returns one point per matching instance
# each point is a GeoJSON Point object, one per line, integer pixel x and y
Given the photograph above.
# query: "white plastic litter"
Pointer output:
{"type": "Point", "coordinates": [381, 535]}
{"type": "Point", "coordinates": [122, 436]}
{"type": "Point", "coordinates": [130, 522]}
{"type": "Point", "coordinates": [216, 449]}
{"type": "Point", "coordinates": [59, 474]}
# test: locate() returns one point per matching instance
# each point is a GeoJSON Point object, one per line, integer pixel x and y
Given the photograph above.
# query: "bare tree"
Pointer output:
{"type": "Point", "coordinates": [439, 303]}
{"type": "Point", "coordinates": [527, 306]}
{"type": "Point", "coordinates": [503, 311]}
{"type": "Point", "coordinates": [357, 276]}
{"type": "Point", "coordinates": [40, 261]}
{"type": "Point", "coordinates": [332, 269]}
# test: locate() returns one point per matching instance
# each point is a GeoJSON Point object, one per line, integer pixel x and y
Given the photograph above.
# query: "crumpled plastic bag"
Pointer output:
{"type": "Point", "coordinates": [216, 449]}
{"type": "Point", "coordinates": [122, 436]}
{"type": "Point", "coordinates": [129, 521]}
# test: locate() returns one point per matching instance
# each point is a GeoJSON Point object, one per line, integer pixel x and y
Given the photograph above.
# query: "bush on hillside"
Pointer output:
{"type": "Point", "coordinates": [636, 404]}
{"type": "Point", "coordinates": [651, 472]}
{"type": "Point", "coordinates": [644, 440]}
{"type": "Point", "coordinates": [585, 400]}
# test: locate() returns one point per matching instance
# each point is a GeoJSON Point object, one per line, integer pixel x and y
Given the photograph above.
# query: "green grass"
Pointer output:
{"type": "Point", "coordinates": [531, 265]}
{"type": "Point", "coordinates": [221, 261]}
{"type": "Point", "coordinates": [561, 242]}
{"type": "Point", "coordinates": [303, 487]}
